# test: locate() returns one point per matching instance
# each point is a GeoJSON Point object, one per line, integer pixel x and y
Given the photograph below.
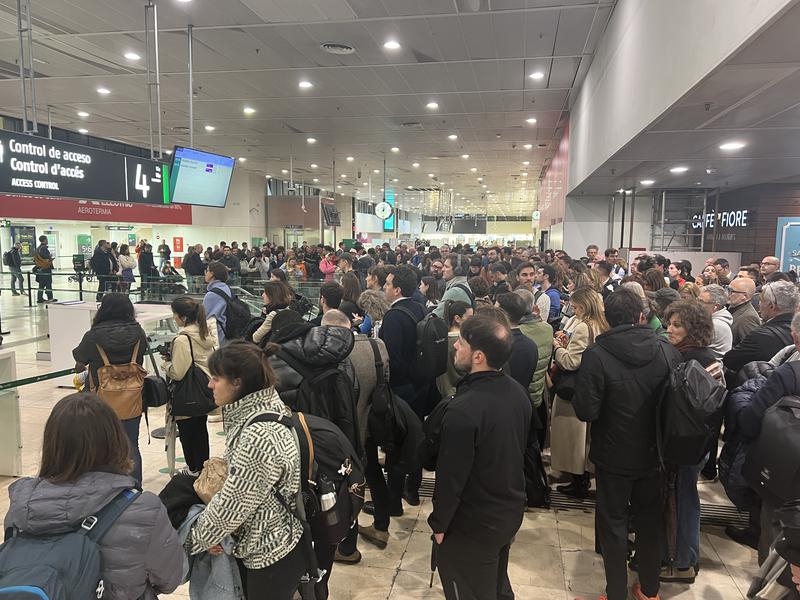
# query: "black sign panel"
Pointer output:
{"type": "Point", "coordinates": [43, 167]}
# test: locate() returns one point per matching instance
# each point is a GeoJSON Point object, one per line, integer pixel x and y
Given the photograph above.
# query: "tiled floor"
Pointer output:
{"type": "Point", "coordinates": [552, 558]}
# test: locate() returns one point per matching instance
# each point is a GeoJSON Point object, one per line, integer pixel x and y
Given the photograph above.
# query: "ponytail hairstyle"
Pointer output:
{"type": "Point", "coordinates": [191, 311]}
{"type": "Point", "coordinates": [453, 309]}
{"type": "Point", "coordinates": [246, 362]}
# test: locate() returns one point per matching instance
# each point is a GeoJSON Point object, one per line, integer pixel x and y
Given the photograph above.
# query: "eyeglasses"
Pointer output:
{"type": "Point", "coordinates": [774, 264]}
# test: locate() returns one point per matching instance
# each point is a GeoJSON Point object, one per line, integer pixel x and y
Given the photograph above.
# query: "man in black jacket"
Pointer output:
{"type": "Point", "coordinates": [620, 382]}
{"type": "Point", "coordinates": [194, 269]}
{"type": "Point", "coordinates": [103, 266]}
{"type": "Point", "coordinates": [479, 498]}
{"type": "Point", "coordinates": [778, 303]}
{"type": "Point", "coordinates": [44, 271]}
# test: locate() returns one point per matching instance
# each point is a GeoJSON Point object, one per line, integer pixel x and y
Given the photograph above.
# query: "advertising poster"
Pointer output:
{"type": "Point", "coordinates": [787, 243]}
{"type": "Point", "coordinates": [177, 244]}
{"type": "Point", "coordinates": [27, 237]}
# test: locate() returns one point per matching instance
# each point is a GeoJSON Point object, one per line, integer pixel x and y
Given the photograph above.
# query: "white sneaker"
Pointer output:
{"type": "Point", "coordinates": [187, 471]}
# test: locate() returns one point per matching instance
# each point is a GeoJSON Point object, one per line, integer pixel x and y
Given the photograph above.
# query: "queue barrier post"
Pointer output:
{"type": "Point", "coordinates": [30, 291]}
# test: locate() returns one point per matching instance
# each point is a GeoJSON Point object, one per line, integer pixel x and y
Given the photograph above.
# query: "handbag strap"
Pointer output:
{"type": "Point", "coordinates": [191, 350]}
{"type": "Point", "coordinates": [310, 443]}
{"type": "Point", "coordinates": [379, 374]}
{"type": "Point", "coordinates": [104, 356]}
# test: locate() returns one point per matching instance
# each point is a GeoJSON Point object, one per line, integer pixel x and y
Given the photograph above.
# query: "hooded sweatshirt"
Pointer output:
{"type": "Point", "coordinates": [619, 386]}
{"type": "Point", "coordinates": [142, 555]}
{"type": "Point", "coordinates": [454, 290]}
{"type": "Point", "coordinates": [722, 341]}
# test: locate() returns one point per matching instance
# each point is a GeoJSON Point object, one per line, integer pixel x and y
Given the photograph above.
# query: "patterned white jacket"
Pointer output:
{"type": "Point", "coordinates": [262, 458]}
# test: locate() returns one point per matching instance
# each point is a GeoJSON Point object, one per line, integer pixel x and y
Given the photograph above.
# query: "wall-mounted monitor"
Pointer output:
{"type": "Point", "coordinates": [469, 225]}
{"type": "Point", "coordinates": [200, 178]}
{"type": "Point", "coordinates": [331, 215]}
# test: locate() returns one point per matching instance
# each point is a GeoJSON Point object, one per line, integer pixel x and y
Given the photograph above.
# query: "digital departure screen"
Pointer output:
{"type": "Point", "coordinates": [200, 178]}
{"type": "Point", "coordinates": [40, 166]}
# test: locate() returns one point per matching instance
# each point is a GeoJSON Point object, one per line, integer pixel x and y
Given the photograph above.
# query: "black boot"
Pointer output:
{"type": "Point", "coordinates": [578, 488]}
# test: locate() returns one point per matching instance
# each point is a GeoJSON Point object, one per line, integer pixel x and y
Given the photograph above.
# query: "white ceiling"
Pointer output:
{"type": "Point", "coordinates": [472, 57]}
{"type": "Point", "coordinates": [753, 98]}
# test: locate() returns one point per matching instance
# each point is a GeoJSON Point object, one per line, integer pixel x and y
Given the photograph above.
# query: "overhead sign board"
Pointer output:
{"type": "Point", "coordinates": [42, 167]}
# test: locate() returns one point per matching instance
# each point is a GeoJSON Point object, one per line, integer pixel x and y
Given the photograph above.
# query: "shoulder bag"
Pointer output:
{"type": "Point", "coordinates": [191, 396]}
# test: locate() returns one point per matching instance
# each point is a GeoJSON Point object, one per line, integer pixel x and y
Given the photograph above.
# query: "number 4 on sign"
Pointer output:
{"type": "Point", "coordinates": [141, 181]}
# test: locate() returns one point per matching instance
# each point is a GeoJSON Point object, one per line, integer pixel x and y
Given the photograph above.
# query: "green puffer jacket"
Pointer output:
{"type": "Point", "coordinates": [542, 335]}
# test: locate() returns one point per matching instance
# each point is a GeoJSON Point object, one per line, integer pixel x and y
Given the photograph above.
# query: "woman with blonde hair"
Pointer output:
{"type": "Point", "coordinates": [689, 291]}
{"type": "Point", "coordinates": [374, 305]}
{"type": "Point", "coordinates": [568, 434]}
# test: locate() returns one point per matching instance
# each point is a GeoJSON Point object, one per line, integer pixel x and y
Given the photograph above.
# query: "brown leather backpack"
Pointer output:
{"type": "Point", "coordinates": [120, 386]}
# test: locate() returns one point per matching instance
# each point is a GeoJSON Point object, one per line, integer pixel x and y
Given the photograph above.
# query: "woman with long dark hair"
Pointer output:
{"type": "Point", "coordinates": [276, 296]}
{"type": "Point", "coordinates": [85, 465]}
{"type": "Point", "coordinates": [192, 346]}
{"type": "Point", "coordinates": [257, 500]}
{"type": "Point", "coordinates": [117, 338]}
{"type": "Point", "coordinates": [455, 313]}
{"type": "Point", "coordinates": [430, 289]}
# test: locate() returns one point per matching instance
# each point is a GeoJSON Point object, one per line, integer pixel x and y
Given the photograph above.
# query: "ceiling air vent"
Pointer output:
{"type": "Point", "coordinates": [411, 125]}
{"type": "Point", "coordinates": [337, 48]}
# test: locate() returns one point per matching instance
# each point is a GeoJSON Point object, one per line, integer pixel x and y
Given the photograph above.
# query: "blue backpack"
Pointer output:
{"type": "Point", "coordinates": [61, 566]}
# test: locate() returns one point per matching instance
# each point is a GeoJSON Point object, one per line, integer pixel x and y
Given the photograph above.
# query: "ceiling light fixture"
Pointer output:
{"type": "Point", "coordinates": [732, 146]}
{"type": "Point", "coordinates": [432, 105]}
{"type": "Point", "coordinates": [480, 178]}
{"type": "Point", "coordinates": [209, 128]}
{"type": "Point", "coordinates": [452, 137]}
{"type": "Point", "coordinates": [248, 110]}
{"type": "Point", "coordinates": [103, 91]}
{"type": "Point", "coordinates": [242, 159]}
{"type": "Point", "coordinates": [415, 164]}
{"type": "Point", "coordinates": [350, 159]}
{"type": "Point", "coordinates": [392, 45]}
{"type": "Point", "coordinates": [376, 171]}
{"type": "Point", "coordinates": [311, 140]}
{"type": "Point", "coordinates": [431, 175]}
{"type": "Point", "coordinates": [524, 174]}
{"type": "Point", "coordinates": [678, 170]}
{"type": "Point", "coordinates": [82, 130]}
{"type": "Point", "coordinates": [83, 113]}
{"type": "Point", "coordinates": [647, 182]}
{"type": "Point", "coordinates": [132, 56]}
{"type": "Point", "coordinates": [526, 163]}
{"type": "Point", "coordinates": [343, 176]}
{"type": "Point", "coordinates": [528, 146]}
{"type": "Point", "coordinates": [530, 121]}
{"type": "Point", "coordinates": [314, 165]}
{"type": "Point", "coordinates": [268, 176]}
{"type": "Point", "coordinates": [284, 171]}
{"type": "Point", "coordinates": [474, 169]}
{"type": "Point", "coordinates": [537, 75]}
{"type": "Point", "coordinates": [395, 180]}
{"type": "Point", "coordinates": [465, 156]}
{"type": "Point", "coordinates": [395, 149]}
{"type": "Point", "coordinates": [305, 85]}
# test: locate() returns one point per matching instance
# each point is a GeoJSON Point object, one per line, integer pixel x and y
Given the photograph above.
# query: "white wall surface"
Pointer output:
{"type": "Point", "coordinates": [653, 52]}
{"type": "Point", "coordinates": [243, 217]}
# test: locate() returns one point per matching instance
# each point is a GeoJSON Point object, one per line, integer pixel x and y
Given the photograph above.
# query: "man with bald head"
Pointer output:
{"type": "Point", "coordinates": [745, 316]}
{"type": "Point", "coordinates": [769, 265]}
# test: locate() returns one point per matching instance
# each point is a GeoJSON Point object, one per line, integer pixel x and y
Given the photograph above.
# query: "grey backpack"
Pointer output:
{"type": "Point", "coordinates": [61, 566]}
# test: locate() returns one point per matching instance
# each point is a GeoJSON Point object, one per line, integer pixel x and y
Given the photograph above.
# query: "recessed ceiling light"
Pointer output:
{"type": "Point", "coordinates": [83, 113]}
{"type": "Point", "coordinates": [465, 156]}
{"type": "Point", "coordinates": [376, 171]}
{"type": "Point", "coordinates": [185, 1]}
{"type": "Point", "coordinates": [480, 178]}
{"type": "Point", "coordinates": [524, 174]}
{"type": "Point", "coordinates": [647, 182]}
{"type": "Point", "coordinates": [431, 175]}
{"type": "Point", "coordinates": [732, 146]}
{"type": "Point", "coordinates": [528, 146]}
{"type": "Point", "coordinates": [698, 183]}
{"type": "Point", "coordinates": [284, 171]}
{"type": "Point", "coordinates": [168, 151]}
{"type": "Point", "coordinates": [209, 128]}
{"type": "Point", "coordinates": [242, 159]}
{"type": "Point", "coordinates": [474, 169]}
{"type": "Point", "coordinates": [395, 180]}
{"type": "Point", "coordinates": [82, 130]}
{"type": "Point", "coordinates": [364, 183]}
{"type": "Point", "coordinates": [408, 187]}
{"type": "Point", "coordinates": [103, 91]}
{"type": "Point", "coordinates": [678, 170]}
{"type": "Point", "coordinates": [248, 110]}
{"type": "Point", "coordinates": [311, 140]}
{"type": "Point", "coordinates": [432, 105]}
{"type": "Point", "coordinates": [132, 56]}
{"type": "Point", "coordinates": [268, 176]}
{"type": "Point", "coordinates": [452, 137]}
{"type": "Point", "coordinates": [395, 149]}
{"type": "Point", "coordinates": [338, 187]}
{"type": "Point", "coordinates": [530, 121]}
{"type": "Point", "coordinates": [314, 165]}
{"type": "Point", "coordinates": [415, 164]}
{"type": "Point", "coordinates": [343, 176]}
{"type": "Point", "coordinates": [350, 159]}
{"type": "Point", "coordinates": [304, 85]}
{"type": "Point", "coordinates": [484, 186]}
{"type": "Point", "coordinates": [392, 45]}
{"type": "Point", "coordinates": [536, 75]}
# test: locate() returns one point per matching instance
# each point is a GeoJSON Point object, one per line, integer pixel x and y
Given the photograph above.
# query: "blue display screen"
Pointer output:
{"type": "Point", "coordinates": [200, 178]}
{"type": "Point", "coordinates": [388, 224]}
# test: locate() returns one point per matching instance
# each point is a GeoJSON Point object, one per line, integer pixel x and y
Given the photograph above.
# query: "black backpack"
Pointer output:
{"type": "Point", "coordinates": [382, 416]}
{"type": "Point", "coordinates": [687, 409]}
{"type": "Point", "coordinates": [59, 566]}
{"type": "Point", "coordinates": [237, 315]}
{"type": "Point", "coordinates": [327, 393]}
{"type": "Point", "coordinates": [430, 359]}
{"type": "Point", "coordinates": [771, 466]}
{"type": "Point", "coordinates": [329, 464]}
{"type": "Point", "coordinates": [7, 258]}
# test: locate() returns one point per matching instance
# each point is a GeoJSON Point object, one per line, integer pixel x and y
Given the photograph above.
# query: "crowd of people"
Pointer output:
{"type": "Point", "coordinates": [500, 362]}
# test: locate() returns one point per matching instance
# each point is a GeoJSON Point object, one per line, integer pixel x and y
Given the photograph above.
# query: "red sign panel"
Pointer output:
{"type": "Point", "coordinates": [63, 209]}
{"type": "Point", "coordinates": [177, 244]}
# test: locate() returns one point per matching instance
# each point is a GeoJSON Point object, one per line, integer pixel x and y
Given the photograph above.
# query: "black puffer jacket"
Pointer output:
{"type": "Point", "coordinates": [620, 383]}
{"type": "Point", "coordinates": [117, 338]}
{"type": "Point", "coordinates": [319, 349]}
